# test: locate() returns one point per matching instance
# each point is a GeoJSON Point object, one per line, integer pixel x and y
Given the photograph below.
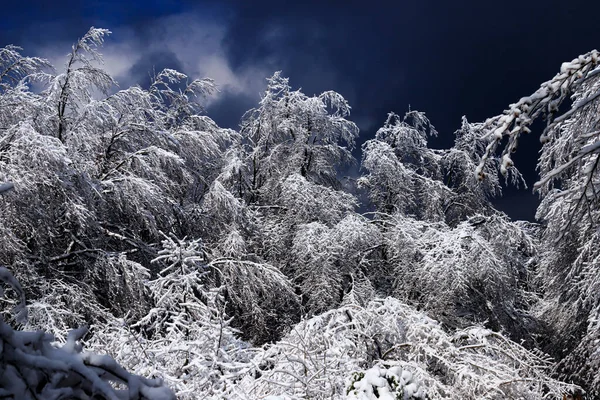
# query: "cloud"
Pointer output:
{"type": "Point", "coordinates": [119, 56]}
{"type": "Point", "coordinates": [185, 42]}
{"type": "Point", "coordinates": [199, 46]}
{"type": "Point", "coordinates": [150, 63]}
{"type": "Point", "coordinates": [193, 45]}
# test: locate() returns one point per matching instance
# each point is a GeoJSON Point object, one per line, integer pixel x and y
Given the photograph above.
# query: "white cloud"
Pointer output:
{"type": "Point", "coordinates": [197, 43]}
{"type": "Point", "coordinates": [118, 59]}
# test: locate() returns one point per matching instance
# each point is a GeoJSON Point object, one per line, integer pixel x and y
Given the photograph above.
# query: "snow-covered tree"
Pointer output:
{"type": "Point", "coordinates": [273, 252]}
{"type": "Point", "coordinates": [401, 169]}
{"type": "Point", "coordinates": [285, 174]}
{"type": "Point", "coordinates": [464, 275]}
{"type": "Point", "coordinates": [458, 163]}
{"type": "Point", "coordinates": [32, 367]}
{"type": "Point", "coordinates": [404, 175]}
{"type": "Point", "coordinates": [75, 87]}
{"type": "Point", "coordinates": [344, 351]}
{"type": "Point", "coordinates": [442, 243]}
{"type": "Point", "coordinates": [328, 262]}
{"type": "Point", "coordinates": [569, 173]}
{"type": "Point", "coordinates": [186, 336]}
{"type": "Point", "coordinates": [292, 133]}
{"type": "Point", "coordinates": [98, 174]}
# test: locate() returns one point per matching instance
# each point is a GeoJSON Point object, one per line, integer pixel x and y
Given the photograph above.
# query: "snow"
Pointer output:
{"type": "Point", "coordinates": [228, 264]}
{"type": "Point", "coordinates": [392, 383]}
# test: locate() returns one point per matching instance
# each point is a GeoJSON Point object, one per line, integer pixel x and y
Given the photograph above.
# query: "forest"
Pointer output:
{"type": "Point", "coordinates": [147, 253]}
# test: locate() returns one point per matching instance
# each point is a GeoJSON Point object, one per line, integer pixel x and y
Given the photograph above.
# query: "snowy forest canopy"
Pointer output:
{"type": "Point", "coordinates": [235, 264]}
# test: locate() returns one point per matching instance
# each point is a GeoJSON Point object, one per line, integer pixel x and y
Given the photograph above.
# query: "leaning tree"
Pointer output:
{"type": "Point", "coordinates": [569, 181]}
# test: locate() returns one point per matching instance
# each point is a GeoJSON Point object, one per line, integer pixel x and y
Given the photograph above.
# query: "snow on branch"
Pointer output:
{"type": "Point", "coordinates": [574, 77]}
{"type": "Point", "coordinates": [32, 367]}
{"type": "Point", "coordinates": [388, 347]}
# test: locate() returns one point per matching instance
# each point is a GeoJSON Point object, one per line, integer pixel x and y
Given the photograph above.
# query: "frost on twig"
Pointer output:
{"type": "Point", "coordinates": [390, 340]}
{"type": "Point", "coordinates": [570, 139]}
{"type": "Point", "coordinates": [31, 367]}
{"type": "Point", "coordinates": [569, 184]}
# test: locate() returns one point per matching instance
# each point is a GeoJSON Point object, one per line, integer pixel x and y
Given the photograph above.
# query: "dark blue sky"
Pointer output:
{"type": "Point", "coordinates": [447, 58]}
